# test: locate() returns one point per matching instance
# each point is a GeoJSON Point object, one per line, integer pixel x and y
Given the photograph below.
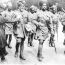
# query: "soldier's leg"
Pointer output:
{"type": "Point", "coordinates": [2, 55]}
{"type": "Point", "coordinates": [51, 42]}
{"type": "Point", "coordinates": [64, 35]}
{"type": "Point", "coordinates": [40, 47]}
{"type": "Point", "coordinates": [29, 35]}
{"type": "Point", "coordinates": [22, 48]}
{"type": "Point", "coordinates": [5, 41]}
{"type": "Point", "coordinates": [64, 39]}
{"type": "Point", "coordinates": [31, 39]}
{"type": "Point", "coordinates": [10, 38]}
{"type": "Point", "coordinates": [17, 48]}
{"type": "Point", "coordinates": [6, 38]}
{"type": "Point", "coordinates": [5, 52]}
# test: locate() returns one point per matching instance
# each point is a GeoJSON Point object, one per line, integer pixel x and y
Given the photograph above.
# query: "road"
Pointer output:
{"type": "Point", "coordinates": [30, 53]}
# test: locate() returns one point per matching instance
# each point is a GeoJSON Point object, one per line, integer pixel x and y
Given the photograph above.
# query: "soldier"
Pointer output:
{"type": "Point", "coordinates": [8, 26]}
{"type": "Point", "coordinates": [19, 32]}
{"type": "Point", "coordinates": [63, 23]}
{"type": "Point", "coordinates": [53, 9]}
{"type": "Point", "coordinates": [42, 29]}
{"type": "Point", "coordinates": [31, 26]}
{"type": "Point", "coordinates": [3, 42]}
{"type": "Point", "coordinates": [24, 12]}
{"type": "Point", "coordinates": [61, 13]}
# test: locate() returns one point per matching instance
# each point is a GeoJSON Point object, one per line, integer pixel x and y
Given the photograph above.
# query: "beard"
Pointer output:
{"type": "Point", "coordinates": [44, 9]}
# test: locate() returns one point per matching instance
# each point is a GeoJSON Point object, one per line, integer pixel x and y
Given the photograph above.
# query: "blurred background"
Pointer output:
{"type": "Point", "coordinates": [33, 2]}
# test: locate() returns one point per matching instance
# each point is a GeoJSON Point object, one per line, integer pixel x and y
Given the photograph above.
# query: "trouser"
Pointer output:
{"type": "Point", "coordinates": [30, 38]}
{"type": "Point", "coordinates": [10, 38]}
{"type": "Point", "coordinates": [2, 52]}
{"type": "Point", "coordinates": [21, 45]}
{"type": "Point", "coordinates": [40, 48]}
{"type": "Point", "coordinates": [64, 34]}
{"type": "Point", "coordinates": [51, 41]}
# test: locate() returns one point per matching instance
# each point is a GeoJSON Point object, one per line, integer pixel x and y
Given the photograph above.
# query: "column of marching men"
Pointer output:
{"type": "Point", "coordinates": [36, 23]}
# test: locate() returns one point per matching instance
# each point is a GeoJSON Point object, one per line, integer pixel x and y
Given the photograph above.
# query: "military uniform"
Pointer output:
{"type": "Point", "coordinates": [3, 42]}
{"type": "Point", "coordinates": [8, 26]}
{"type": "Point", "coordinates": [55, 21]}
{"type": "Point", "coordinates": [19, 31]}
{"type": "Point", "coordinates": [42, 30]}
{"type": "Point", "coordinates": [63, 21]}
{"type": "Point", "coordinates": [31, 27]}
{"type": "Point", "coordinates": [24, 15]}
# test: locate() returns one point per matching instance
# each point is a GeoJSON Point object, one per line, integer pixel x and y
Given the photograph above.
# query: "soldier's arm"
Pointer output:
{"type": "Point", "coordinates": [62, 20]}
{"type": "Point", "coordinates": [35, 22]}
{"type": "Point", "coordinates": [16, 18]}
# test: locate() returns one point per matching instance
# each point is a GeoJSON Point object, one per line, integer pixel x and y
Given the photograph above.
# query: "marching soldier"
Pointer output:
{"type": "Point", "coordinates": [31, 27]}
{"type": "Point", "coordinates": [2, 39]}
{"type": "Point", "coordinates": [19, 32]}
{"type": "Point", "coordinates": [3, 42]}
{"type": "Point", "coordinates": [61, 13]}
{"type": "Point", "coordinates": [8, 26]}
{"type": "Point", "coordinates": [42, 29]}
{"type": "Point", "coordinates": [63, 23]}
{"type": "Point", "coordinates": [53, 9]}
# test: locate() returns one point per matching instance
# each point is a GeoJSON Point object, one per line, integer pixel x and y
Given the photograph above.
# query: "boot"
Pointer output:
{"type": "Point", "coordinates": [64, 52]}
{"type": "Point", "coordinates": [21, 57]}
{"type": "Point", "coordinates": [9, 46]}
{"type": "Point", "coordinates": [5, 52]}
{"type": "Point", "coordinates": [2, 59]}
{"type": "Point", "coordinates": [16, 54]}
{"type": "Point", "coordinates": [51, 42]}
{"type": "Point", "coordinates": [39, 55]}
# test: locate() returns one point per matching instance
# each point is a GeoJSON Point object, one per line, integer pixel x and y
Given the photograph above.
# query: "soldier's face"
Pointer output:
{"type": "Point", "coordinates": [21, 8]}
{"type": "Point", "coordinates": [44, 6]}
{"type": "Point", "coordinates": [32, 10]}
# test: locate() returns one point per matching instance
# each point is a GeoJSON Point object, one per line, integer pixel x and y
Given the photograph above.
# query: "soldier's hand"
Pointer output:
{"type": "Point", "coordinates": [40, 24]}
{"type": "Point", "coordinates": [52, 35]}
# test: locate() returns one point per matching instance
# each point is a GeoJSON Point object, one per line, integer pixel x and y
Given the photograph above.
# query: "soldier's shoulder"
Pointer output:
{"type": "Point", "coordinates": [3, 12]}
{"type": "Point", "coordinates": [51, 14]}
{"type": "Point", "coordinates": [26, 12]}
{"type": "Point", "coordinates": [39, 12]}
{"type": "Point", "coordinates": [16, 12]}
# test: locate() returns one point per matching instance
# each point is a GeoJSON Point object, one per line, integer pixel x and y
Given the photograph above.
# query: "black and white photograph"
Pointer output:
{"type": "Point", "coordinates": [32, 32]}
